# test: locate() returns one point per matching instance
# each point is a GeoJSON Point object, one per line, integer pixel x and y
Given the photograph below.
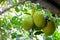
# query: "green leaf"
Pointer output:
{"type": "Point", "coordinates": [14, 1]}
{"type": "Point", "coordinates": [14, 34]}
{"type": "Point", "coordinates": [8, 26]}
{"type": "Point", "coordinates": [47, 38]}
{"type": "Point", "coordinates": [2, 30]}
{"type": "Point", "coordinates": [17, 9]}
{"type": "Point", "coordinates": [39, 7]}
{"type": "Point", "coordinates": [57, 22]}
{"type": "Point", "coordinates": [56, 35]}
{"type": "Point", "coordinates": [48, 13]}
{"type": "Point", "coordinates": [14, 20]}
{"type": "Point", "coordinates": [26, 11]}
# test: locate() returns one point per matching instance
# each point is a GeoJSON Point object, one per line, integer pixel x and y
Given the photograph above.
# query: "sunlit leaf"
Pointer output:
{"type": "Point", "coordinates": [17, 9]}
{"type": "Point", "coordinates": [48, 13]}
{"type": "Point", "coordinates": [14, 34]}
{"type": "Point", "coordinates": [38, 6]}
{"type": "Point", "coordinates": [14, 1]}
{"type": "Point", "coordinates": [8, 26]}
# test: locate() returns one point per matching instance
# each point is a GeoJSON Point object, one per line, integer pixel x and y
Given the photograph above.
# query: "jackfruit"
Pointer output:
{"type": "Point", "coordinates": [49, 28]}
{"type": "Point", "coordinates": [27, 22]}
{"type": "Point", "coordinates": [39, 19]}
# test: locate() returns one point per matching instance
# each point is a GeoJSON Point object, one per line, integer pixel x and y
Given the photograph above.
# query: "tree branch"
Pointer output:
{"type": "Point", "coordinates": [10, 7]}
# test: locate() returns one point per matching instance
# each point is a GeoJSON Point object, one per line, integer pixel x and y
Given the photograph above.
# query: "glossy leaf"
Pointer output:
{"type": "Point", "coordinates": [17, 9]}
{"type": "Point", "coordinates": [14, 34]}
{"type": "Point", "coordinates": [14, 1]}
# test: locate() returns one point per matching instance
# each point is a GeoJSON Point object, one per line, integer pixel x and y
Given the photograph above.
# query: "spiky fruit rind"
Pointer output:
{"type": "Point", "coordinates": [50, 28]}
{"type": "Point", "coordinates": [27, 22]}
{"type": "Point", "coordinates": [39, 19]}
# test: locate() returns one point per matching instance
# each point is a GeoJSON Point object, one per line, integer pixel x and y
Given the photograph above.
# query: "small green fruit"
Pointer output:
{"type": "Point", "coordinates": [50, 28]}
{"type": "Point", "coordinates": [39, 19]}
{"type": "Point", "coordinates": [28, 22]}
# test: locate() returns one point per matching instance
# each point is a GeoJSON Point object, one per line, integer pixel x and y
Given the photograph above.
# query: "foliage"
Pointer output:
{"type": "Point", "coordinates": [11, 21]}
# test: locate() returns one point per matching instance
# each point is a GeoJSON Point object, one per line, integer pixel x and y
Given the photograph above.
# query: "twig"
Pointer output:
{"type": "Point", "coordinates": [10, 7]}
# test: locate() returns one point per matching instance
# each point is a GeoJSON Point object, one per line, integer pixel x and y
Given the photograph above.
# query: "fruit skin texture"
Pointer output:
{"type": "Point", "coordinates": [28, 22]}
{"type": "Point", "coordinates": [39, 19]}
{"type": "Point", "coordinates": [50, 28]}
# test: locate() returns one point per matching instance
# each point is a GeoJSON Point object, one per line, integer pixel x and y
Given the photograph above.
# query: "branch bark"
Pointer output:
{"type": "Point", "coordinates": [10, 7]}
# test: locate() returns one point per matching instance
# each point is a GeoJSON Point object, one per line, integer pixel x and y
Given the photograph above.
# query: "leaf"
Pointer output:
{"type": "Point", "coordinates": [38, 6]}
{"type": "Point", "coordinates": [48, 13]}
{"type": "Point", "coordinates": [57, 22]}
{"type": "Point", "coordinates": [14, 34]}
{"type": "Point", "coordinates": [56, 35]}
{"type": "Point", "coordinates": [38, 32]}
{"type": "Point", "coordinates": [14, 20]}
{"type": "Point", "coordinates": [17, 9]}
{"type": "Point", "coordinates": [8, 26]}
{"type": "Point", "coordinates": [14, 1]}
{"type": "Point", "coordinates": [26, 11]}
{"type": "Point", "coordinates": [2, 30]}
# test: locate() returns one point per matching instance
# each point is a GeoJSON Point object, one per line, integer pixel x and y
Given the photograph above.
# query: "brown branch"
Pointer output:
{"type": "Point", "coordinates": [10, 7]}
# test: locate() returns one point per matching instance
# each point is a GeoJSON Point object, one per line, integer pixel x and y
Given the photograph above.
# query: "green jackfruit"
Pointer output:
{"type": "Point", "coordinates": [39, 19]}
{"type": "Point", "coordinates": [49, 28]}
{"type": "Point", "coordinates": [27, 22]}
